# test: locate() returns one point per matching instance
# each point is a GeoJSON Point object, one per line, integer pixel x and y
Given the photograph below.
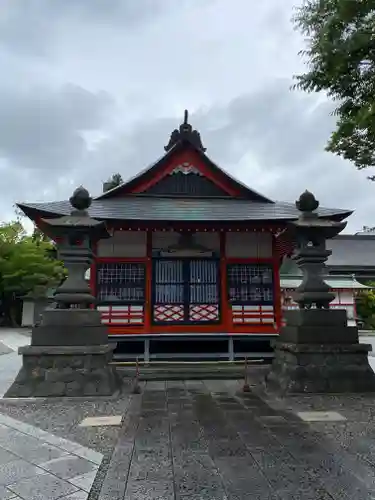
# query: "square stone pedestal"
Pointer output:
{"type": "Point", "coordinates": [51, 371]}
{"type": "Point", "coordinates": [69, 355]}
{"type": "Point", "coordinates": [318, 353]}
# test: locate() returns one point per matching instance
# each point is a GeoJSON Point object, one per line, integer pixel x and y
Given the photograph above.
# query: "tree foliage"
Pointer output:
{"type": "Point", "coordinates": [27, 265]}
{"type": "Point", "coordinates": [114, 181]}
{"type": "Point", "coordinates": [340, 36]}
{"type": "Point", "coordinates": [366, 306]}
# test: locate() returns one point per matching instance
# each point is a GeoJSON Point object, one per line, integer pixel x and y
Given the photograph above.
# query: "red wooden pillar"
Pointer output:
{"type": "Point", "coordinates": [93, 284]}
{"type": "Point", "coordinates": [223, 277]}
{"type": "Point", "coordinates": [148, 291]}
{"type": "Point", "coordinates": [276, 284]}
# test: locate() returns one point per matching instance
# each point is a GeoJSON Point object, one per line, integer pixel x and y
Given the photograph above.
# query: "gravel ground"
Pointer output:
{"type": "Point", "coordinates": [62, 417]}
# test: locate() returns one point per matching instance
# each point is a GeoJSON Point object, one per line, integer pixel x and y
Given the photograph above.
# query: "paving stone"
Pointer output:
{"type": "Point", "coordinates": [78, 495]}
{"type": "Point", "coordinates": [238, 467]}
{"type": "Point", "coordinates": [260, 439]}
{"type": "Point", "coordinates": [254, 486]}
{"type": "Point", "coordinates": [46, 487]}
{"type": "Point", "coordinates": [90, 455]}
{"type": "Point", "coordinates": [69, 466]}
{"type": "Point", "coordinates": [37, 454]}
{"type": "Point", "coordinates": [16, 470]}
{"type": "Point", "coordinates": [21, 426]}
{"type": "Point", "coordinates": [113, 489]}
{"type": "Point", "coordinates": [227, 448]}
{"type": "Point", "coordinates": [60, 442]}
{"type": "Point", "coordinates": [194, 460]}
{"type": "Point", "coordinates": [154, 385]}
{"type": "Point", "coordinates": [4, 349]}
{"type": "Point", "coordinates": [149, 470]}
{"type": "Point", "coordinates": [150, 490]}
{"type": "Point", "coordinates": [193, 481]}
{"type": "Point", "coordinates": [6, 456]}
{"type": "Point", "coordinates": [272, 419]}
{"type": "Point", "coordinates": [321, 416]}
{"type": "Point", "coordinates": [317, 493]}
{"type": "Point", "coordinates": [6, 493]}
{"type": "Point", "coordinates": [11, 437]}
{"type": "Point", "coordinates": [85, 481]}
{"type": "Point", "coordinates": [286, 476]}
{"type": "Point", "coordinates": [101, 421]}
{"type": "Point", "coordinates": [273, 458]}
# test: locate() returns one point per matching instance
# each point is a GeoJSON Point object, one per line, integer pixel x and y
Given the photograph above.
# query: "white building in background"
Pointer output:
{"type": "Point", "coordinates": [345, 289]}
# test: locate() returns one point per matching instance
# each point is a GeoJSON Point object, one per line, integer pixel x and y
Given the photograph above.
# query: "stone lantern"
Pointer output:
{"type": "Point", "coordinates": [316, 351]}
{"type": "Point", "coordinates": [69, 353]}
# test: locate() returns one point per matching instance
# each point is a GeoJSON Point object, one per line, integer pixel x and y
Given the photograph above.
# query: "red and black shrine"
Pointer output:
{"type": "Point", "coordinates": [192, 268]}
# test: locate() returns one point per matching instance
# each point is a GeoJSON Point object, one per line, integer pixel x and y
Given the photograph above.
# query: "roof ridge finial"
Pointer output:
{"type": "Point", "coordinates": [185, 133]}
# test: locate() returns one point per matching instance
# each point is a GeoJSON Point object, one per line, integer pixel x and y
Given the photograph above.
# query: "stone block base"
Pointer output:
{"type": "Point", "coordinates": [320, 368]}
{"type": "Point", "coordinates": [76, 327]}
{"type": "Point", "coordinates": [56, 371]}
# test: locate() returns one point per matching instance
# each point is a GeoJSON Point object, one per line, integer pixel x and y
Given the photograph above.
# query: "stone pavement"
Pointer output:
{"type": "Point", "coordinates": [191, 440]}
{"type": "Point", "coordinates": [10, 362]}
{"type": "Point", "coordinates": [36, 465]}
{"type": "Point", "coordinates": [209, 440]}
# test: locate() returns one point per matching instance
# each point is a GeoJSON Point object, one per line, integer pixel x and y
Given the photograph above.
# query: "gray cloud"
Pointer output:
{"type": "Point", "coordinates": [272, 139]}
{"type": "Point", "coordinates": [93, 87]}
{"type": "Point", "coordinates": [43, 128]}
{"type": "Point", "coordinates": [35, 27]}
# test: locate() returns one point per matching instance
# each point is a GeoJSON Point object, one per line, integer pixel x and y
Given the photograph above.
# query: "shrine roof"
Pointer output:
{"type": "Point", "coordinates": [132, 208]}
{"type": "Point", "coordinates": [184, 185]}
{"type": "Point", "coordinates": [334, 282]}
{"type": "Point", "coordinates": [185, 145]}
{"type": "Point", "coordinates": [352, 252]}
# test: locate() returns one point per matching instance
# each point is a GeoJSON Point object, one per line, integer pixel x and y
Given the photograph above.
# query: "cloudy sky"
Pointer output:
{"type": "Point", "coordinates": [93, 87]}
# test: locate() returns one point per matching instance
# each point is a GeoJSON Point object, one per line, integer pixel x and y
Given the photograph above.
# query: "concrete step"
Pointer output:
{"type": "Point", "coordinates": [187, 371]}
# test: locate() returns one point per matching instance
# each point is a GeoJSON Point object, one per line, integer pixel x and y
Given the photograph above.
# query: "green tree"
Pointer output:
{"type": "Point", "coordinates": [340, 36]}
{"type": "Point", "coordinates": [114, 181]}
{"type": "Point", "coordinates": [26, 265]}
{"type": "Point", "coordinates": [366, 306]}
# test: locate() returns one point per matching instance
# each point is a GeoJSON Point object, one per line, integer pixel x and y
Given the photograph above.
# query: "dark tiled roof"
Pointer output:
{"type": "Point", "coordinates": [181, 209]}
{"type": "Point", "coordinates": [127, 186]}
{"type": "Point", "coordinates": [352, 251]}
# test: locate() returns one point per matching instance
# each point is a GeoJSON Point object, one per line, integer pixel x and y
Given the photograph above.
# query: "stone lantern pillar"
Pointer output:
{"type": "Point", "coordinates": [69, 353]}
{"type": "Point", "coordinates": [316, 351]}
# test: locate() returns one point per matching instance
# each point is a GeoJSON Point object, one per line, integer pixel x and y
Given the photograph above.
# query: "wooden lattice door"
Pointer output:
{"type": "Point", "coordinates": [186, 291]}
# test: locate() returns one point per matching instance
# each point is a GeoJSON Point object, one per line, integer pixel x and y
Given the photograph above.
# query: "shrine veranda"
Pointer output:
{"type": "Point", "coordinates": [192, 268]}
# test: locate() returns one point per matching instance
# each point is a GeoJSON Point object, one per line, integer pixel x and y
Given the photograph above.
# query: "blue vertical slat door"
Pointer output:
{"type": "Point", "coordinates": [168, 291]}
{"type": "Point", "coordinates": [204, 291]}
{"type": "Point", "coordinates": [186, 291]}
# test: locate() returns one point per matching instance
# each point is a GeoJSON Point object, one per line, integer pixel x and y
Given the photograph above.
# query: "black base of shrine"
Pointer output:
{"type": "Point", "coordinates": [57, 371]}
{"type": "Point", "coordinates": [317, 353]}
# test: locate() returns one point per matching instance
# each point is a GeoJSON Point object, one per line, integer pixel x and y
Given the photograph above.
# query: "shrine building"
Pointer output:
{"type": "Point", "coordinates": [192, 268]}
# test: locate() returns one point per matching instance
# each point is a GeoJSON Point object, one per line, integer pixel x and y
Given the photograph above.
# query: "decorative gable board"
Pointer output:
{"type": "Point", "coordinates": [184, 158]}
{"type": "Point", "coordinates": [188, 163]}
{"type": "Point", "coordinates": [186, 180]}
